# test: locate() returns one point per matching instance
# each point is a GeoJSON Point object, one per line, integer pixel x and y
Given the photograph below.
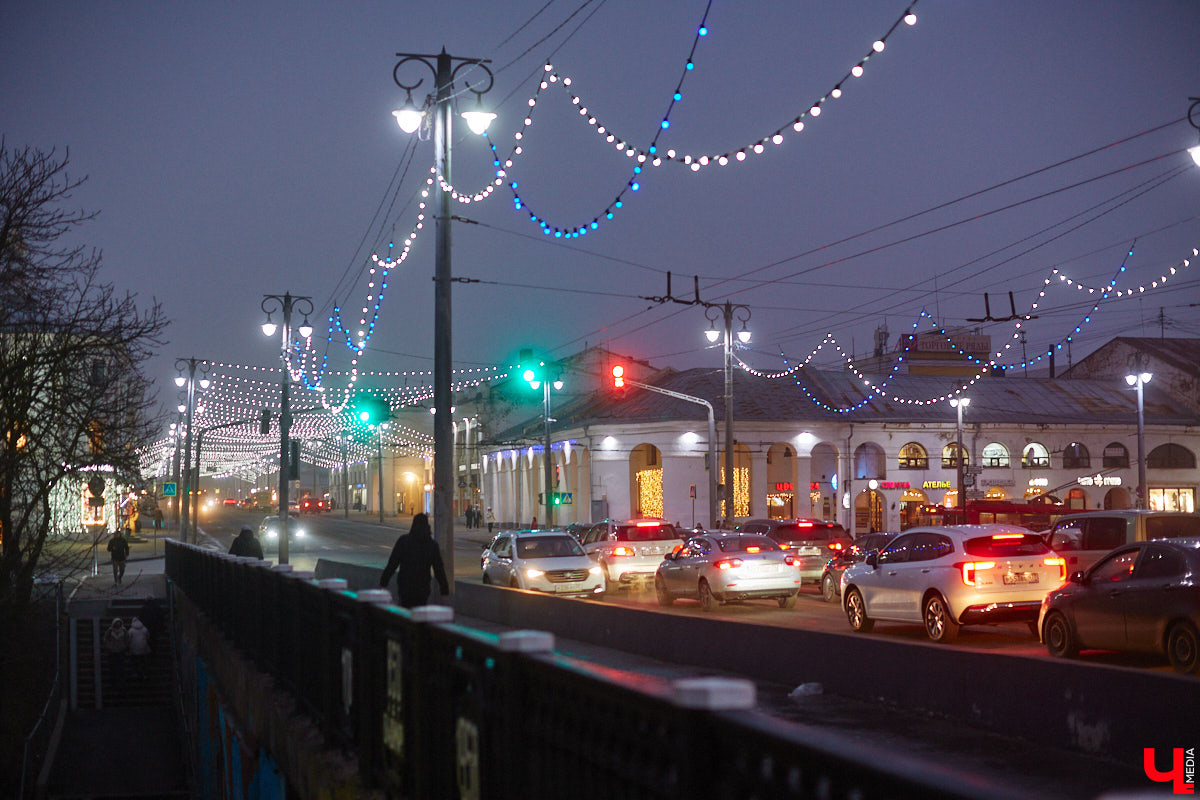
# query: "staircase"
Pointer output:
{"type": "Point", "coordinates": [102, 688]}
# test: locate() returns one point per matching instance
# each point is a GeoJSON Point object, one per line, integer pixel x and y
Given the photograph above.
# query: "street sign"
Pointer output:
{"type": "Point", "coordinates": [566, 498]}
{"type": "Point", "coordinates": [169, 489]}
{"type": "Point", "coordinates": [692, 491]}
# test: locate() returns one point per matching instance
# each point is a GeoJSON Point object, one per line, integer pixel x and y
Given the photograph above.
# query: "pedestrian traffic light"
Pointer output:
{"type": "Point", "coordinates": [618, 373]}
{"type": "Point", "coordinates": [264, 422]}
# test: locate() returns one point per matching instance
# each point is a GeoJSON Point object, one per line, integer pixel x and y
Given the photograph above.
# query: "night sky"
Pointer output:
{"type": "Point", "coordinates": [238, 149]}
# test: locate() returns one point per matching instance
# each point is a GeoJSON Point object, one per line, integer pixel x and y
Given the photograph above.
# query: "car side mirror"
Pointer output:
{"type": "Point", "coordinates": [1077, 577]}
{"type": "Point", "coordinates": [872, 559]}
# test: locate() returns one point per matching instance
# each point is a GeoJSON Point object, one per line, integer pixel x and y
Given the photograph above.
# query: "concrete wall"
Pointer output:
{"type": "Point", "coordinates": [1110, 711]}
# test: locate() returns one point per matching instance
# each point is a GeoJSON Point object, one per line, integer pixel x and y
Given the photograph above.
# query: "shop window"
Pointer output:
{"type": "Point", "coordinates": [995, 455]}
{"type": "Point", "coordinates": [949, 460]}
{"type": "Point", "coordinates": [1035, 456]}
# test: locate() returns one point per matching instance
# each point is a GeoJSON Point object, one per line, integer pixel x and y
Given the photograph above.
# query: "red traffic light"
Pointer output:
{"type": "Point", "coordinates": [618, 373]}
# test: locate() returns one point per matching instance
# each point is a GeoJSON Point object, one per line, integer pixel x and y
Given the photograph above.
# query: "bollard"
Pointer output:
{"type": "Point", "coordinates": [433, 614]}
{"type": "Point", "coordinates": [526, 642]}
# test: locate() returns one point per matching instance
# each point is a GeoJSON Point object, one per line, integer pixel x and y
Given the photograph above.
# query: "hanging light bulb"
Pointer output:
{"type": "Point", "coordinates": [306, 329]}
{"type": "Point", "coordinates": [478, 120]}
{"type": "Point", "coordinates": [268, 327]}
{"type": "Point", "coordinates": [204, 383]}
{"type": "Point", "coordinates": [408, 116]}
{"type": "Point", "coordinates": [743, 334]}
{"type": "Point", "coordinates": [712, 334]}
{"type": "Point", "coordinates": [180, 380]}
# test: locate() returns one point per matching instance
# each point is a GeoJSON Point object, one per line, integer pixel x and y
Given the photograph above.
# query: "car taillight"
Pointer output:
{"type": "Point", "coordinates": [1061, 563]}
{"type": "Point", "coordinates": [784, 546]}
{"type": "Point", "coordinates": [728, 563]}
{"type": "Point", "coordinates": [622, 550]}
{"type": "Point", "coordinates": [971, 570]}
{"type": "Point", "coordinates": [835, 545]}
{"type": "Point", "coordinates": [753, 549]}
{"type": "Point", "coordinates": [789, 560]}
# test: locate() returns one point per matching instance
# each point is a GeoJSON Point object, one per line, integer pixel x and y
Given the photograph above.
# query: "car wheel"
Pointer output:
{"type": "Point", "coordinates": [707, 601]}
{"type": "Point", "coordinates": [938, 624]}
{"type": "Point", "coordinates": [856, 612]}
{"type": "Point", "coordinates": [1060, 642]}
{"type": "Point", "coordinates": [829, 589]}
{"type": "Point", "coordinates": [1182, 647]}
{"type": "Point", "coordinates": [788, 601]}
{"type": "Point", "coordinates": [660, 591]}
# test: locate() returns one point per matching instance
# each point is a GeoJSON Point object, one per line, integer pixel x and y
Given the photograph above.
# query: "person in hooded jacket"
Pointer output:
{"type": "Point", "coordinates": [139, 647]}
{"type": "Point", "coordinates": [116, 644]}
{"type": "Point", "coordinates": [413, 556]}
{"type": "Point", "coordinates": [247, 545]}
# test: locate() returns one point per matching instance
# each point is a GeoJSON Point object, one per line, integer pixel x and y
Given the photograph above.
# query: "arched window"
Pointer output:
{"type": "Point", "coordinates": [869, 461]}
{"type": "Point", "coordinates": [949, 461]}
{"type": "Point", "coordinates": [995, 455]}
{"type": "Point", "coordinates": [1076, 456]}
{"type": "Point", "coordinates": [1035, 456]}
{"type": "Point", "coordinates": [1171, 456]}
{"type": "Point", "coordinates": [913, 456]}
{"type": "Point", "coordinates": [1115, 455]}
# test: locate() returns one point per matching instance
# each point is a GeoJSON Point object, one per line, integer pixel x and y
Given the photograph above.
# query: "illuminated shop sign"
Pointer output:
{"type": "Point", "coordinates": [935, 485]}
{"type": "Point", "coordinates": [1039, 482]}
{"type": "Point", "coordinates": [1099, 480]}
{"type": "Point", "coordinates": [783, 486]}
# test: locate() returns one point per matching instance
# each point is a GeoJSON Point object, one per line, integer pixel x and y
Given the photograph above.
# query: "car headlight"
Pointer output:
{"type": "Point", "coordinates": [272, 534]}
{"type": "Point", "coordinates": [596, 570]}
{"type": "Point", "coordinates": [299, 533]}
{"type": "Point", "coordinates": [534, 573]}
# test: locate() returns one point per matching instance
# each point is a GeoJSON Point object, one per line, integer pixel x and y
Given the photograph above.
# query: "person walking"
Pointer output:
{"type": "Point", "coordinates": [413, 556]}
{"type": "Point", "coordinates": [118, 548]}
{"type": "Point", "coordinates": [116, 644]}
{"type": "Point", "coordinates": [158, 518]}
{"type": "Point", "coordinates": [139, 647]}
{"type": "Point", "coordinates": [491, 520]}
{"type": "Point", "coordinates": [246, 545]}
{"type": "Point", "coordinates": [469, 517]}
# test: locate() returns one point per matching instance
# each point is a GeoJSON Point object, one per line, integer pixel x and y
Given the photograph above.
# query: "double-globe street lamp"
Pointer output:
{"type": "Point", "coordinates": [187, 407]}
{"type": "Point", "coordinates": [727, 311]}
{"type": "Point", "coordinates": [960, 403]}
{"type": "Point", "coordinates": [410, 119]}
{"type": "Point", "coordinates": [1138, 380]}
{"type": "Point", "coordinates": [285, 303]}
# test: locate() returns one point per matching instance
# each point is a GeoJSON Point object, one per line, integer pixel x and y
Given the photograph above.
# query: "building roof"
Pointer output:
{"type": "Point", "coordinates": [812, 395]}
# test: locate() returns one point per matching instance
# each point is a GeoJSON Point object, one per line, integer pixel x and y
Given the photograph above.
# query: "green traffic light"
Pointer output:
{"type": "Point", "coordinates": [529, 375]}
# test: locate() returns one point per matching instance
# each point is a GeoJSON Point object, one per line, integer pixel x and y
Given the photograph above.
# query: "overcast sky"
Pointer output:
{"type": "Point", "coordinates": [240, 148]}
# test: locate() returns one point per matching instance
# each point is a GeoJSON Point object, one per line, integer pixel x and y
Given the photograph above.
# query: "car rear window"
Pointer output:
{"type": "Point", "coordinates": [1005, 545]}
{"type": "Point", "coordinates": [1172, 527]}
{"type": "Point", "coordinates": [743, 544]}
{"type": "Point", "coordinates": [645, 533]}
{"type": "Point", "coordinates": [817, 531]}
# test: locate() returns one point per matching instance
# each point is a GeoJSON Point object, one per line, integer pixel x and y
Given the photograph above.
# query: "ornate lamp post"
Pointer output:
{"type": "Point", "coordinates": [410, 118]}
{"type": "Point", "coordinates": [727, 311]}
{"type": "Point", "coordinates": [960, 403]}
{"type": "Point", "coordinates": [285, 303]}
{"type": "Point", "coordinates": [187, 408]}
{"type": "Point", "coordinates": [1138, 380]}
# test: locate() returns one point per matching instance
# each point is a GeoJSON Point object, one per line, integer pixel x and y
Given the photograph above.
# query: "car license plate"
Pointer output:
{"type": "Point", "coordinates": [1014, 578]}
{"type": "Point", "coordinates": [568, 587]}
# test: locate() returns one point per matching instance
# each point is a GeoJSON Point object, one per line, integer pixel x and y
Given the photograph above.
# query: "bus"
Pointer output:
{"type": "Point", "coordinates": [1035, 516]}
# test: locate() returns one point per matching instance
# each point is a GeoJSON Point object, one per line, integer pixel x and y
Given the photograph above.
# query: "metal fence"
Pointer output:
{"type": "Point", "coordinates": [432, 709]}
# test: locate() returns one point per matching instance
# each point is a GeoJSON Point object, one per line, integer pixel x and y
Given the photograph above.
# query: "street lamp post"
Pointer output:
{"type": "Point", "coordinates": [711, 312]}
{"type": "Point", "coordinates": [409, 118]}
{"type": "Point", "coordinates": [285, 303]}
{"type": "Point", "coordinates": [379, 431]}
{"type": "Point", "coordinates": [342, 438]}
{"type": "Point", "coordinates": [960, 403]}
{"type": "Point", "coordinates": [176, 433]}
{"type": "Point", "coordinates": [188, 383]}
{"type": "Point", "coordinates": [1138, 380]}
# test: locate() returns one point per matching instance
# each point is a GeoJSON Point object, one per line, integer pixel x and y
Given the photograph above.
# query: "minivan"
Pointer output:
{"type": "Point", "coordinates": [1083, 538]}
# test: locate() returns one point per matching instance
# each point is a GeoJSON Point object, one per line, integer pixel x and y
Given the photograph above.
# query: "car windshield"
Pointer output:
{"type": "Point", "coordinates": [1006, 545]}
{"type": "Point", "coordinates": [746, 544]}
{"type": "Point", "coordinates": [645, 532]}
{"type": "Point", "coordinates": [1172, 527]}
{"type": "Point", "coordinates": [548, 547]}
{"type": "Point", "coordinates": [809, 531]}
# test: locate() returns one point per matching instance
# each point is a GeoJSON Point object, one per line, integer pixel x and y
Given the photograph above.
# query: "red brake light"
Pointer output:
{"type": "Point", "coordinates": [728, 563]}
{"type": "Point", "coordinates": [622, 550]}
{"type": "Point", "coordinates": [835, 545]}
{"type": "Point", "coordinates": [1008, 536]}
{"type": "Point", "coordinates": [784, 546]}
{"type": "Point", "coordinates": [789, 560]}
{"type": "Point", "coordinates": [971, 569]}
{"type": "Point", "coordinates": [647, 524]}
{"type": "Point", "coordinates": [1061, 563]}
{"type": "Point", "coordinates": [804, 524]}
{"type": "Point", "coordinates": [753, 549]}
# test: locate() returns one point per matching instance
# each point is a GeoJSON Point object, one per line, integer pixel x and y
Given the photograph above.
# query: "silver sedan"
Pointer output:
{"type": "Point", "coordinates": [719, 568]}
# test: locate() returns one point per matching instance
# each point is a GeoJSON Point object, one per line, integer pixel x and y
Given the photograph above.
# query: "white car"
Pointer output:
{"type": "Point", "coordinates": [945, 577]}
{"type": "Point", "coordinates": [718, 568]}
{"type": "Point", "coordinates": [544, 561]}
{"type": "Point", "coordinates": [268, 533]}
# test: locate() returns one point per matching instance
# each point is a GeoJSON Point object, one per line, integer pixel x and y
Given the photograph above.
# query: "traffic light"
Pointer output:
{"type": "Point", "coordinates": [618, 373]}
{"type": "Point", "coordinates": [370, 410]}
{"type": "Point", "coordinates": [264, 422]}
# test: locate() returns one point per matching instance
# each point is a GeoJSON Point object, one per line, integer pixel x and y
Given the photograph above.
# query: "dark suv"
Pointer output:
{"type": "Point", "coordinates": [812, 541]}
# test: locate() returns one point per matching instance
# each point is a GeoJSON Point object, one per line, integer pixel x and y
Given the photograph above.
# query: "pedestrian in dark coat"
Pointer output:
{"type": "Point", "coordinates": [118, 547]}
{"type": "Point", "coordinates": [247, 545]}
{"type": "Point", "coordinates": [413, 556]}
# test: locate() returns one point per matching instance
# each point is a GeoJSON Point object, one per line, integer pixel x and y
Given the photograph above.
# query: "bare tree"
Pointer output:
{"type": "Point", "coordinates": [72, 394]}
